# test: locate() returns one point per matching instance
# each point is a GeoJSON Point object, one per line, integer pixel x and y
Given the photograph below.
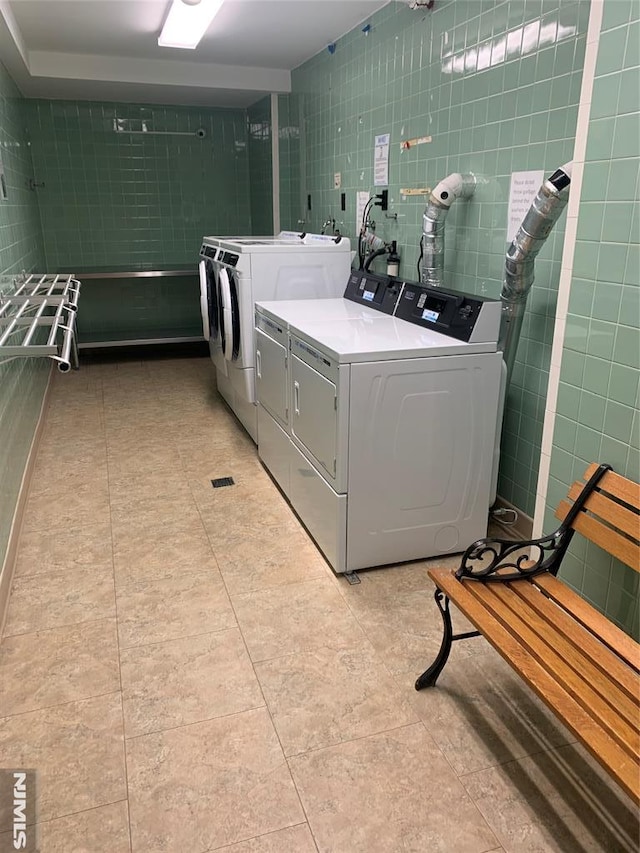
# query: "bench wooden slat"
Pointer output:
{"type": "Point", "coordinates": [582, 639]}
{"type": "Point", "coordinates": [608, 510]}
{"type": "Point", "coordinates": [612, 636]}
{"type": "Point", "coordinates": [621, 547]}
{"type": "Point", "coordinates": [616, 485]}
{"type": "Point", "coordinates": [529, 633]}
{"type": "Point", "coordinates": [604, 748]}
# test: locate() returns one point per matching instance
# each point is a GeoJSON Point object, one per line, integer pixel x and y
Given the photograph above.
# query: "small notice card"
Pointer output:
{"type": "Point", "coordinates": [524, 186]}
{"type": "Point", "coordinates": [381, 160]}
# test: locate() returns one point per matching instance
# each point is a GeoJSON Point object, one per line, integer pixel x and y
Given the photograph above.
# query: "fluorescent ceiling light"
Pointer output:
{"type": "Point", "coordinates": [187, 22]}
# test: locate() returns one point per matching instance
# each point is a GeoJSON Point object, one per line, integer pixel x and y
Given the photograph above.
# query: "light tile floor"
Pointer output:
{"type": "Point", "coordinates": [187, 674]}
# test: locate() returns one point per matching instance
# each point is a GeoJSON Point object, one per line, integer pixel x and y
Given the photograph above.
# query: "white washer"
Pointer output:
{"type": "Point", "coordinates": [238, 271]}
{"type": "Point", "coordinates": [383, 442]}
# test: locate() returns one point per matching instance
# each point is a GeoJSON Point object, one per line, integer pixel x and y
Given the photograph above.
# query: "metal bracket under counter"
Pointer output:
{"type": "Point", "coordinates": [142, 342]}
{"type": "Point", "coordinates": [139, 274]}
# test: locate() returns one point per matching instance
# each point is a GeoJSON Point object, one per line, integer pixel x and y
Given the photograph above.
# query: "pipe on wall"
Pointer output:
{"type": "Point", "coordinates": [454, 186]}
{"type": "Point", "coordinates": [545, 211]}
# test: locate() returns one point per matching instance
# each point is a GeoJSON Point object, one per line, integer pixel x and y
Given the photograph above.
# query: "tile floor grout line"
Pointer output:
{"type": "Point", "coordinates": [60, 705]}
{"type": "Point", "coordinates": [79, 812]}
{"type": "Point", "coordinates": [118, 650]}
{"type": "Point", "coordinates": [306, 581]}
{"type": "Point", "coordinates": [552, 751]}
{"type": "Point", "coordinates": [344, 646]}
{"type": "Point", "coordinates": [182, 574]}
{"type": "Point", "coordinates": [178, 639]}
{"type": "Point", "coordinates": [195, 723]}
{"type": "Point", "coordinates": [57, 627]}
{"type": "Point", "coordinates": [254, 837]}
{"type": "Point", "coordinates": [60, 627]}
{"type": "Point", "coordinates": [355, 739]}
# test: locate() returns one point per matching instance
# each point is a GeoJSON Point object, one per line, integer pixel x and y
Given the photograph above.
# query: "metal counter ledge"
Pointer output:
{"type": "Point", "coordinates": [137, 306]}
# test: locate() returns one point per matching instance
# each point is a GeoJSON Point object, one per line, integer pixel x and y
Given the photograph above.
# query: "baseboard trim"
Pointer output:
{"type": "Point", "coordinates": [8, 566]}
{"type": "Point", "coordinates": [522, 529]}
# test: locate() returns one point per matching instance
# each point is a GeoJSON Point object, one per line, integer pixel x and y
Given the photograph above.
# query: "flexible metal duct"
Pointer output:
{"type": "Point", "coordinates": [543, 214]}
{"type": "Point", "coordinates": [442, 197]}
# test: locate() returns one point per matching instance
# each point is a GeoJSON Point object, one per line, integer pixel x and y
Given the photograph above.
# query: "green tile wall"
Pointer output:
{"type": "Point", "coordinates": [496, 85]}
{"type": "Point", "coordinates": [598, 402]}
{"type": "Point", "coordinates": [22, 382]}
{"type": "Point", "coordinates": [260, 166]}
{"type": "Point", "coordinates": [20, 233]}
{"type": "Point", "coordinates": [292, 211]}
{"type": "Point", "coordinates": [126, 198]}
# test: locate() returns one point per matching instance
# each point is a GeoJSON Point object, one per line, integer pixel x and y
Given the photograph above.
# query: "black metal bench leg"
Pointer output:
{"type": "Point", "coordinates": [430, 676]}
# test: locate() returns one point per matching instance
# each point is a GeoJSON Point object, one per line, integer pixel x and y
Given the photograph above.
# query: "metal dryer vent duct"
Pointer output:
{"type": "Point", "coordinates": [519, 262]}
{"type": "Point", "coordinates": [536, 226]}
{"type": "Point", "coordinates": [442, 197]}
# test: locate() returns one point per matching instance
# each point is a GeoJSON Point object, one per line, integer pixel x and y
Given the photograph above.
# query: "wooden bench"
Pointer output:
{"type": "Point", "coordinates": [576, 660]}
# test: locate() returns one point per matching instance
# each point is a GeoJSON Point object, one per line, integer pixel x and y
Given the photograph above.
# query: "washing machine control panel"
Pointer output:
{"type": "Point", "coordinates": [377, 291]}
{"type": "Point", "coordinates": [463, 316]}
{"type": "Point", "coordinates": [228, 258]}
{"type": "Point", "coordinates": [207, 251]}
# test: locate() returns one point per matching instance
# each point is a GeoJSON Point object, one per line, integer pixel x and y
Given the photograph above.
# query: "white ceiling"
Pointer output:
{"type": "Point", "coordinates": [107, 49]}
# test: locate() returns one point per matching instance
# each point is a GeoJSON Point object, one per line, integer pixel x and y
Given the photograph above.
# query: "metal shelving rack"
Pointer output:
{"type": "Point", "coordinates": [29, 303]}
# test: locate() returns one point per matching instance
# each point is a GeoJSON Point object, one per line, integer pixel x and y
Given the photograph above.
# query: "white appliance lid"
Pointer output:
{"type": "Point", "coordinates": [304, 311]}
{"type": "Point", "coordinates": [280, 244]}
{"type": "Point", "coordinates": [352, 340]}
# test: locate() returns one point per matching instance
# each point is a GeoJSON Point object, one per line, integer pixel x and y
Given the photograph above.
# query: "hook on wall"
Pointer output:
{"type": "Point", "coordinates": [34, 185]}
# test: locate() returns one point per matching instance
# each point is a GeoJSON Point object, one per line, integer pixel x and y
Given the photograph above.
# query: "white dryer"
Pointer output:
{"type": "Point", "coordinates": [383, 439]}
{"type": "Point", "coordinates": [246, 269]}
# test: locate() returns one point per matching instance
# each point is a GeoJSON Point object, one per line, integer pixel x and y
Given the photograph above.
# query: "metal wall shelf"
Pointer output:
{"type": "Point", "coordinates": [38, 318]}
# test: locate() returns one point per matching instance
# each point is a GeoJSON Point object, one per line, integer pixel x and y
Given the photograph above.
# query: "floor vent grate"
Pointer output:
{"type": "Point", "coordinates": [222, 481]}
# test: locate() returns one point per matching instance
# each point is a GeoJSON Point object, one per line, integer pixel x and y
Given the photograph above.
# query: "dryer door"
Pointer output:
{"type": "Point", "coordinates": [212, 299]}
{"type": "Point", "coordinates": [314, 419]}
{"type": "Point", "coordinates": [229, 315]}
{"type": "Point", "coordinates": [204, 299]}
{"type": "Point", "coordinates": [271, 376]}
{"type": "Point", "coordinates": [225, 313]}
{"type": "Point", "coordinates": [235, 315]}
{"type": "Point", "coordinates": [220, 305]}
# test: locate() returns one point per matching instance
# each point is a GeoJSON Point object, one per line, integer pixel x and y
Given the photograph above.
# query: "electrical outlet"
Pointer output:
{"type": "Point", "coordinates": [383, 202]}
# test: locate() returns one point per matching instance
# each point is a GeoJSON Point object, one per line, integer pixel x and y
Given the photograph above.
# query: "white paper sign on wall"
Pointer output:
{"type": "Point", "coordinates": [381, 160]}
{"type": "Point", "coordinates": [523, 189]}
